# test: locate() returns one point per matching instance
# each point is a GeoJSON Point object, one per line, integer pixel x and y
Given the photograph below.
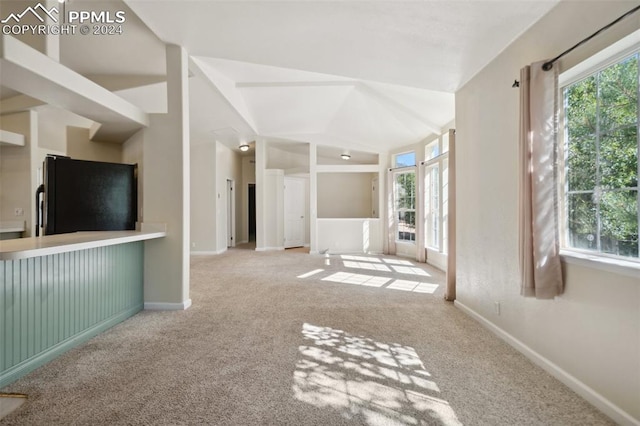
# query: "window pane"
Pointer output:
{"type": "Point", "coordinates": [405, 199]}
{"type": "Point", "coordinates": [582, 228]}
{"type": "Point", "coordinates": [602, 160]}
{"type": "Point", "coordinates": [619, 223]}
{"type": "Point", "coordinates": [445, 204]}
{"type": "Point", "coordinates": [445, 142]}
{"type": "Point", "coordinates": [581, 158]}
{"type": "Point", "coordinates": [432, 150]}
{"type": "Point", "coordinates": [619, 158]}
{"type": "Point", "coordinates": [619, 94]}
{"type": "Point", "coordinates": [581, 107]}
{"type": "Point", "coordinates": [432, 206]}
{"type": "Point", "coordinates": [405, 160]}
{"type": "Point", "coordinates": [406, 226]}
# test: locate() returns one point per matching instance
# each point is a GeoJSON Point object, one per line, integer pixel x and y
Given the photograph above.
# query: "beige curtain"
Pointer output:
{"type": "Point", "coordinates": [540, 265]}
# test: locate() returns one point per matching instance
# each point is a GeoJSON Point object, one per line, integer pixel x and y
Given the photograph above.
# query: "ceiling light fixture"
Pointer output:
{"type": "Point", "coordinates": [345, 156]}
{"type": "Point", "coordinates": [244, 147]}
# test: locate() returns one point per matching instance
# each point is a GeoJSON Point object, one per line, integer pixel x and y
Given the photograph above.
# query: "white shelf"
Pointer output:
{"type": "Point", "coordinates": [11, 139]}
{"type": "Point", "coordinates": [32, 73]}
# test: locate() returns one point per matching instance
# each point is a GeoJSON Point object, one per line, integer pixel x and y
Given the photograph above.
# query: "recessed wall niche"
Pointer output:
{"type": "Point", "coordinates": [347, 195]}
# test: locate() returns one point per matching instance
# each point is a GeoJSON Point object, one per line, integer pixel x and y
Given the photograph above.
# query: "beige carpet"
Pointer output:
{"type": "Point", "coordinates": [355, 340]}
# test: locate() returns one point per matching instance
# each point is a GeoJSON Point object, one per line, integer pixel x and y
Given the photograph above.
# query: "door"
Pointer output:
{"type": "Point", "coordinates": [294, 208]}
{"type": "Point", "coordinates": [230, 213]}
{"type": "Point", "coordinates": [374, 198]}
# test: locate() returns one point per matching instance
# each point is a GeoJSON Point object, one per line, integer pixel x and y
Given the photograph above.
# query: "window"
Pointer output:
{"type": "Point", "coordinates": [406, 159]}
{"type": "Point", "coordinates": [404, 194]}
{"type": "Point", "coordinates": [436, 178]}
{"type": "Point", "coordinates": [432, 206]}
{"type": "Point", "coordinates": [601, 160]}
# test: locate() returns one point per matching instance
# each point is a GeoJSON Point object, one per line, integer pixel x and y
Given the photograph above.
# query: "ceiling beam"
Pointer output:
{"type": "Point", "coordinates": [196, 66]}
{"type": "Point", "coordinates": [273, 84]}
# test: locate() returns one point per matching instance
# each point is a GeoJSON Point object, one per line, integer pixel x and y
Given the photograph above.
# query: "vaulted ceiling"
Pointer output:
{"type": "Point", "coordinates": [364, 75]}
{"type": "Point", "coordinates": [372, 76]}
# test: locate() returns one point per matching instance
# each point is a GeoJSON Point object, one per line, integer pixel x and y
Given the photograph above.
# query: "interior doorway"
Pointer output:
{"type": "Point", "coordinates": [252, 212]}
{"type": "Point", "coordinates": [231, 209]}
{"type": "Point", "coordinates": [294, 212]}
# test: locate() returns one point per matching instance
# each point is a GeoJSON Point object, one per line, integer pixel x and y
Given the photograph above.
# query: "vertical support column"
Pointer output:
{"type": "Point", "coordinates": [313, 198]}
{"type": "Point", "coordinates": [167, 192]}
{"type": "Point", "coordinates": [450, 293]}
{"type": "Point", "coordinates": [421, 214]}
{"type": "Point", "coordinates": [390, 217]}
{"type": "Point", "coordinates": [261, 165]}
{"type": "Point", "coordinates": [383, 160]}
{"type": "Point", "coordinates": [51, 41]}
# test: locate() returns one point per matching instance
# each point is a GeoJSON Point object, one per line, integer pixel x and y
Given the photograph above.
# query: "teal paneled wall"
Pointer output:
{"type": "Point", "coordinates": [52, 303]}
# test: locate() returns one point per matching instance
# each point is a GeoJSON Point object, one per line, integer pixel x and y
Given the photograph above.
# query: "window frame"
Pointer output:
{"type": "Point", "coordinates": [396, 222]}
{"type": "Point", "coordinates": [608, 57]}
{"type": "Point", "coordinates": [430, 162]}
{"type": "Point", "coordinates": [395, 160]}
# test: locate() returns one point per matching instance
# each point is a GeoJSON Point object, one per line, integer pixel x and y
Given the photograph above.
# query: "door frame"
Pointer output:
{"type": "Point", "coordinates": [303, 181]}
{"type": "Point", "coordinates": [231, 213]}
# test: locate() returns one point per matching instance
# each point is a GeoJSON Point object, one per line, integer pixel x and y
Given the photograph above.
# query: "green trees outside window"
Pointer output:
{"type": "Point", "coordinates": [405, 205]}
{"type": "Point", "coordinates": [601, 135]}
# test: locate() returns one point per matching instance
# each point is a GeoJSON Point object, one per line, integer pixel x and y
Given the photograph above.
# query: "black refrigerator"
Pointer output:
{"type": "Point", "coordinates": [79, 195]}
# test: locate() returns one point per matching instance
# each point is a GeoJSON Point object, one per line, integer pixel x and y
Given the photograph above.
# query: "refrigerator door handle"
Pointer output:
{"type": "Point", "coordinates": [39, 209]}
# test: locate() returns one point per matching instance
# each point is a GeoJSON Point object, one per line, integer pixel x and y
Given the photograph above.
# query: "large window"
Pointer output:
{"type": "Point", "coordinates": [601, 153]}
{"type": "Point", "coordinates": [404, 194]}
{"type": "Point", "coordinates": [436, 179]}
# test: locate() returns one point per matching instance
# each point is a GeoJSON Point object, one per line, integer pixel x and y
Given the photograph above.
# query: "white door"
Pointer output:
{"type": "Point", "coordinates": [374, 198]}
{"type": "Point", "coordinates": [294, 208]}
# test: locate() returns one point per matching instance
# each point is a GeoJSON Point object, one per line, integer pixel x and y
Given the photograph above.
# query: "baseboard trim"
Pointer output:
{"type": "Point", "coordinates": [163, 306]}
{"type": "Point", "coordinates": [28, 365]}
{"type": "Point", "coordinates": [207, 253]}
{"type": "Point", "coordinates": [600, 402]}
{"type": "Point", "coordinates": [269, 248]}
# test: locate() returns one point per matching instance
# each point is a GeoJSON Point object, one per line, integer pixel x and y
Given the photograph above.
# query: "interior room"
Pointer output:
{"type": "Point", "coordinates": [335, 212]}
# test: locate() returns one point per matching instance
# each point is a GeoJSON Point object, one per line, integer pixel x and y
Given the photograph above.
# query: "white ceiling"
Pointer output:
{"type": "Point", "coordinates": [363, 75]}
{"type": "Point", "coordinates": [369, 76]}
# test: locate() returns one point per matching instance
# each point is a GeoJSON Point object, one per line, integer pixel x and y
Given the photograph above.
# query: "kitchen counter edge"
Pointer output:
{"type": "Point", "coordinates": [24, 248]}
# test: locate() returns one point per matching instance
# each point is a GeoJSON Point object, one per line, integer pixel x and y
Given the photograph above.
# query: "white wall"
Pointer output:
{"type": "Point", "coordinates": [591, 334]}
{"type": "Point", "coordinates": [350, 235]}
{"type": "Point", "coordinates": [81, 147]}
{"type": "Point", "coordinates": [273, 210]}
{"type": "Point", "coordinates": [228, 167]}
{"type": "Point", "coordinates": [166, 145]}
{"type": "Point", "coordinates": [18, 170]}
{"type": "Point", "coordinates": [203, 197]}
{"type": "Point", "coordinates": [344, 195]}
{"type": "Point", "coordinates": [289, 161]}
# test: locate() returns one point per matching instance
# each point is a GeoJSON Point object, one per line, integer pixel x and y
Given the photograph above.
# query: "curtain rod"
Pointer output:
{"type": "Point", "coordinates": [549, 64]}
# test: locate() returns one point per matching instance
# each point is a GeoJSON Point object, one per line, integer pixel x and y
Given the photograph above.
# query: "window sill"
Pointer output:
{"type": "Point", "coordinates": [603, 263]}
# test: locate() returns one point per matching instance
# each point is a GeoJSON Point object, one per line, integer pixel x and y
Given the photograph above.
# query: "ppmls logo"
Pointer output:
{"type": "Point", "coordinates": [34, 11]}
{"type": "Point", "coordinates": [85, 22]}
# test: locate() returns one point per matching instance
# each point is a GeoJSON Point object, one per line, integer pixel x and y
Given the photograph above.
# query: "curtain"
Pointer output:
{"type": "Point", "coordinates": [540, 267]}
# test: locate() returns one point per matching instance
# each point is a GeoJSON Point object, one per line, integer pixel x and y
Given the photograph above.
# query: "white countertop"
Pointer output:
{"type": "Point", "coordinates": [22, 248]}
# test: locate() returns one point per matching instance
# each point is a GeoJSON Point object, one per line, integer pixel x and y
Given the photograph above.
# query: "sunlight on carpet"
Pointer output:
{"type": "Point", "coordinates": [379, 383]}
{"type": "Point", "coordinates": [10, 402]}
{"type": "Point", "coordinates": [376, 281]}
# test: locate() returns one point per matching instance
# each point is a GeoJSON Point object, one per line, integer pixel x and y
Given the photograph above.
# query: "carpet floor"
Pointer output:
{"type": "Point", "coordinates": [287, 338]}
